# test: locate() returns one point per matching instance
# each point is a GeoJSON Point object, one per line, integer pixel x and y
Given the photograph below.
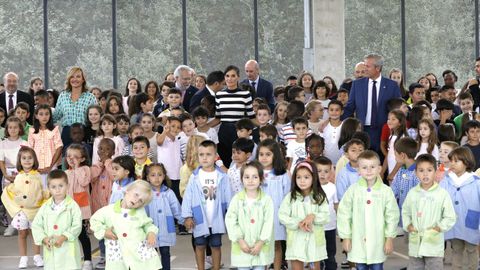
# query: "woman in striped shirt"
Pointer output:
{"type": "Point", "coordinates": [232, 104]}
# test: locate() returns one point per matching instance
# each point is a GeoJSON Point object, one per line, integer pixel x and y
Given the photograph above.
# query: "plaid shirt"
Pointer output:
{"type": "Point", "coordinates": [404, 180]}
{"type": "Point", "coordinates": [71, 112]}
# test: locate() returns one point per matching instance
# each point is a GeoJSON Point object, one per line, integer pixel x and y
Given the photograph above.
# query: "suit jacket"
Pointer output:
{"type": "Point", "coordinates": [358, 100]}
{"type": "Point", "coordinates": [264, 90]}
{"type": "Point", "coordinates": [21, 96]}
{"type": "Point", "coordinates": [191, 90]}
{"type": "Point", "coordinates": [197, 98]}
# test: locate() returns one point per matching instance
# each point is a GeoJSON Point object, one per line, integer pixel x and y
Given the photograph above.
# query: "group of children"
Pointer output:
{"type": "Point", "coordinates": [297, 180]}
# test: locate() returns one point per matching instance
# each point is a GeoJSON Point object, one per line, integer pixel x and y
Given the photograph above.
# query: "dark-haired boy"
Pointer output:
{"type": "Point", "coordinates": [242, 150]}
{"type": "Point", "coordinates": [294, 109]}
{"type": "Point", "coordinates": [140, 149]}
{"type": "Point", "coordinates": [405, 179]}
{"type": "Point", "coordinates": [472, 131]}
{"type": "Point", "coordinates": [268, 131]}
{"type": "Point", "coordinates": [244, 129]}
{"type": "Point", "coordinates": [445, 111]}
{"type": "Point", "coordinates": [200, 117]}
{"type": "Point", "coordinates": [22, 111]}
{"type": "Point", "coordinates": [296, 150]}
{"type": "Point", "coordinates": [349, 174]}
{"type": "Point", "coordinates": [324, 168]}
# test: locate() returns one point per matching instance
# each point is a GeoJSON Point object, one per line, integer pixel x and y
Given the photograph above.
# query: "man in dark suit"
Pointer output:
{"type": "Point", "coordinates": [473, 85]}
{"type": "Point", "coordinates": [12, 96]}
{"type": "Point", "coordinates": [215, 83]}
{"type": "Point", "coordinates": [183, 77]}
{"type": "Point", "coordinates": [369, 97]}
{"type": "Point", "coordinates": [263, 88]}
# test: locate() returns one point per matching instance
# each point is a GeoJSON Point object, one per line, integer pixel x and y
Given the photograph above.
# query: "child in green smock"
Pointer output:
{"type": "Point", "coordinates": [129, 233]}
{"type": "Point", "coordinates": [57, 226]}
{"type": "Point", "coordinates": [304, 212]}
{"type": "Point", "coordinates": [427, 213]}
{"type": "Point", "coordinates": [368, 216]}
{"type": "Point", "coordinates": [249, 222]}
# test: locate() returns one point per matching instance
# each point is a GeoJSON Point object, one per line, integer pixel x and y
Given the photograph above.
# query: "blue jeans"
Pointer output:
{"type": "Point", "coordinates": [375, 266]}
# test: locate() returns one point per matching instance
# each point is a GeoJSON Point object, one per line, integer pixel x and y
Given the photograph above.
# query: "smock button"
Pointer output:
{"type": "Point", "coordinates": [252, 220]}
{"type": "Point", "coordinates": [124, 234]}
{"type": "Point", "coordinates": [160, 211]}
{"type": "Point", "coordinates": [125, 215]}
{"type": "Point", "coordinates": [368, 201]}
{"type": "Point", "coordinates": [456, 202]}
{"type": "Point", "coordinates": [55, 227]}
{"type": "Point", "coordinates": [25, 196]}
{"type": "Point", "coordinates": [103, 187]}
{"type": "Point", "coordinates": [26, 182]}
{"type": "Point", "coordinates": [458, 189]}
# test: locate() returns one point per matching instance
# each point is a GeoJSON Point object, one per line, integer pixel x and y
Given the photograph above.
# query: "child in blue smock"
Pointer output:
{"type": "Point", "coordinates": [163, 208]}
{"type": "Point", "coordinates": [464, 189]}
{"type": "Point", "coordinates": [277, 185]}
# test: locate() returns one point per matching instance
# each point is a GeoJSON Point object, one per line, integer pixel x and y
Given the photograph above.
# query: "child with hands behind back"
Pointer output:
{"type": "Point", "coordinates": [130, 234]}
{"type": "Point", "coordinates": [304, 212]}
{"type": "Point", "coordinates": [58, 224]}
{"type": "Point", "coordinates": [249, 222]}
{"type": "Point", "coordinates": [371, 206]}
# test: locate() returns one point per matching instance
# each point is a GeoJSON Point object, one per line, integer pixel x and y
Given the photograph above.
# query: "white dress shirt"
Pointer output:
{"type": "Point", "coordinates": [255, 81]}
{"type": "Point", "coordinates": [368, 117]}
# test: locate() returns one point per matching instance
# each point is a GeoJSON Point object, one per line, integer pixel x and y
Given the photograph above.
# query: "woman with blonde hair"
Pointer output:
{"type": "Point", "coordinates": [73, 102]}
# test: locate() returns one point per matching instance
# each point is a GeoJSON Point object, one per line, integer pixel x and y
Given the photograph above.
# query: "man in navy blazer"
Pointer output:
{"type": "Point", "coordinates": [183, 78]}
{"type": "Point", "coordinates": [10, 81]}
{"type": "Point", "coordinates": [360, 101]}
{"type": "Point", "coordinates": [263, 88]}
{"type": "Point", "coordinates": [215, 83]}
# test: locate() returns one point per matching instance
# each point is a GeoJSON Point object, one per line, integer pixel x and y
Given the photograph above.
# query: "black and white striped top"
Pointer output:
{"type": "Point", "coordinates": [233, 105]}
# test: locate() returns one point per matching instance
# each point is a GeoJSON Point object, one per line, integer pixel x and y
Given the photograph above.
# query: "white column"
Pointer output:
{"type": "Point", "coordinates": [327, 53]}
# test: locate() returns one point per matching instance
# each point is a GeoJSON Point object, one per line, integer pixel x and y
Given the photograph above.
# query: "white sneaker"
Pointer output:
{"type": "Point", "coordinates": [87, 265]}
{"type": "Point", "coordinates": [9, 231]}
{"type": "Point", "coordinates": [23, 262]}
{"type": "Point", "coordinates": [37, 260]}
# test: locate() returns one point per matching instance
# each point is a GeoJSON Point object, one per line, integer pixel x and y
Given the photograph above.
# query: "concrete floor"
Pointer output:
{"type": "Point", "coordinates": [183, 258]}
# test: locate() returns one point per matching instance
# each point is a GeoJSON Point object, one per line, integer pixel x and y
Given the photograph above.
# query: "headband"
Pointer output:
{"type": "Point", "coordinates": [306, 165]}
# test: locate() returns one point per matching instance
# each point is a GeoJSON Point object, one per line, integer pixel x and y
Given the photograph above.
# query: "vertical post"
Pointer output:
{"type": "Point", "coordinates": [477, 38]}
{"type": "Point", "coordinates": [404, 41]}
{"type": "Point", "coordinates": [308, 51]}
{"type": "Point", "coordinates": [45, 43]}
{"type": "Point", "coordinates": [184, 25]}
{"type": "Point", "coordinates": [255, 27]}
{"type": "Point", "coordinates": [307, 23]}
{"type": "Point", "coordinates": [114, 44]}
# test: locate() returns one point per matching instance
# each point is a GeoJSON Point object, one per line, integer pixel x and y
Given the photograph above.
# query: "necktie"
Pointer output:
{"type": "Point", "coordinates": [374, 105]}
{"type": "Point", "coordinates": [253, 84]}
{"type": "Point", "coordinates": [10, 103]}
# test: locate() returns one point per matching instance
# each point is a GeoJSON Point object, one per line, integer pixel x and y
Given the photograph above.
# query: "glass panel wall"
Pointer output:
{"type": "Point", "coordinates": [80, 34]}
